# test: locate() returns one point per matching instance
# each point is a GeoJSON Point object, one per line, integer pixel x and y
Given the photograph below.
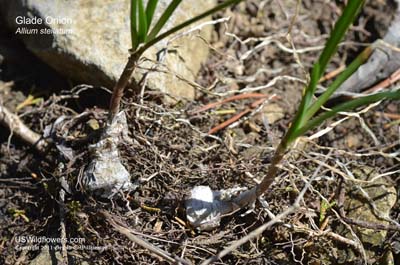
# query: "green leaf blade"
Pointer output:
{"type": "Point", "coordinates": [346, 106]}
{"type": "Point", "coordinates": [299, 119]}
{"type": "Point", "coordinates": [338, 32]}
{"type": "Point", "coordinates": [134, 34]}
{"type": "Point", "coordinates": [322, 99]}
{"type": "Point", "coordinates": [142, 32]}
{"type": "Point", "coordinates": [340, 28]}
{"type": "Point", "coordinates": [150, 9]}
{"type": "Point", "coordinates": [153, 38]}
{"type": "Point", "coordinates": [163, 19]}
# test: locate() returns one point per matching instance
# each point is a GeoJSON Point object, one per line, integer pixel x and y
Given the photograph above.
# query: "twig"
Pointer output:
{"type": "Point", "coordinates": [385, 83]}
{"type": "Point", "coordinates": [137, 240]}
{"type": "Point", "coordinates": [394, 116]}
{"type": "Point", "coordinates": [199, 27]}
{"type": "Point", "coordinates": [255, 233]}
{"type": "Point", "coordinates": [64, 252]}
{"type": "Point", "coordinates": [333, 236]}
{"type": "Point", "coordinates": [17, 127]}
{"type": "Point", "coordinates": [269, 84]}
{"type": "Point", "coordinates": [22, 259]}
{"type": "Point", "coordinates": [348, 115]}
{"type": "Point", "coordinates": [118, 90]}
{"type": "Point", "coordinates": [393, 155]}
{"type": "Point", "coordinates": [365, 224]}
{"type": "Point", "coordinates": [333, 74]}
{"type": "Point", "coordinates": [233, 98]}
{"type": "Point", "coordinates": [236, 117]}
{"type": "Point", "coordinates": [370, 225]}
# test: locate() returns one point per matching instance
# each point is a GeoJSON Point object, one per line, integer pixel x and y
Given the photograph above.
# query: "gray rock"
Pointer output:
{"type": "Point", "coordinates": [45, 257]}
{"type": "Point", "coordinates": [357, 206]}
{"type": "Point", "coordinates": [383, 195]}
{"type": "Point", "coordinates": [51, 257]}
{"type": "Point", "coordinates": [89, 42]}
{"type": "Point", "coordinates": [381, 64]}
{"type": "Point", "coordinates": [273, 112]}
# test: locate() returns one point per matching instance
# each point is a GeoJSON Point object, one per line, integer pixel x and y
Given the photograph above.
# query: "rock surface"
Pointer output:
{"type": "Point", "coordinates": [381, 64]}
{"type": "Point", "coordinates": [358, 206]}
{"type": "Point", "coordinates": [382, 194]}
{"type": "Point", "coordinates": [47, 257]}
{"type": "Point", "coordinates": [273, 112]}
{"type": "Point", "coordinates": [89, 42]}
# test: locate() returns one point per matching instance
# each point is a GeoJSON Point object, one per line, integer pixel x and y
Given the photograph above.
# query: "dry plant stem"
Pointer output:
{"type": "Point", "coordinates": [250, 196]}
{"type": "Point", "coordinates": [333, 74]}
{"type": "Point", "coordinates": [278, 218]}
{"type": "Point", "coordinates": [236, 117]}
{"type": "Point", "coordinates": [365, 224]}
{"type": "Point", "coordinates": [255, 233]}
{"type": "Point", "coordinates": [118, 90]}
{"type": "Point", "coordinates": [272, 170]}
{"type": "Point", "coordinates": [393, 116]}
{"type": "Point", "coordinates": [64, 252]}
{"type": "Point", "coordinates": [335, 237]}
{"type": "Point", "coordinates": [22, 259]}
{"type": "Point", "coordinates": [374, 226]}
{"type": "Point", "coordinates": [17, 127]}
{"type": "Point", "coordinates": [137, 240]}
{"type": "Point", "coordinates": [233, 98]}
{"type": "Point", "coordinates": [385, 83]}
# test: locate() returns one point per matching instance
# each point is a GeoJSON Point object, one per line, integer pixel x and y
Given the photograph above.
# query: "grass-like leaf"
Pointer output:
{"type": "Point", "coordinates": [153, 38]}
{"type": "Point", "coordinates": [150, 9]}
{"type": "Point", "coordinates": [322, 99]}
{"type": "Point", "coordinates": [163, 19]}
{"type": "Point", "coordinates": [134, 34]}
{"type": "Point", "coordinates": [346, 106]}
{"type": "Point", "coordinates": [331, 46]}
{"type": "Point", "coordinates": [343, 23]}
{"type": "Point", "coordinates": [299, 120]}
{"type": "Point", "coordinates": [337, 34]}
{"type": "Point", "coordinates": [142, 31]}
{"type": "Point", "coordinates": [150, 39]}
